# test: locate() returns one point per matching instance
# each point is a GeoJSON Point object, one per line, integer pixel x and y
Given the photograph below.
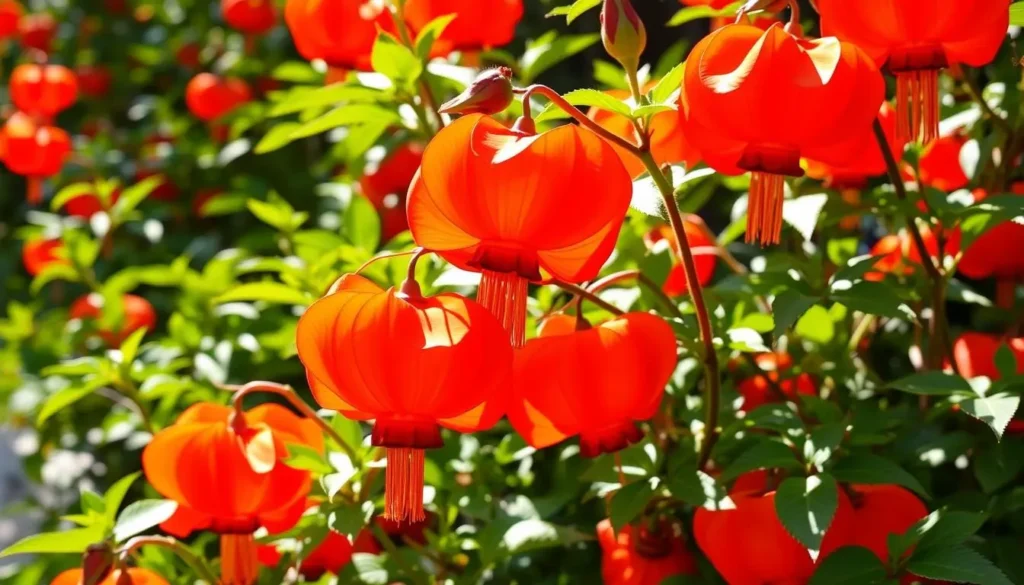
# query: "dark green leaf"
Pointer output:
{"type": "Point", "coordinates": [629, 501]}
{"type": "Point", "coordinates": [806, 507]}
{"type": "Point", "coordinates": [766, 454]}
{"type": "Point", "coordinates": [787, 307]}
{"type": "Point", "coordinates": [874, 470]}
{"type": "Point", "coordinates": [850, 565]}
{"type": "Point", "coordinates": [951, 529]}
{"type": "Point", "coordinates": [995, 411]}
{"type": "Point", "coordinates": [958, 564]}
{"type": "Point", "coordinates": [932, 384]}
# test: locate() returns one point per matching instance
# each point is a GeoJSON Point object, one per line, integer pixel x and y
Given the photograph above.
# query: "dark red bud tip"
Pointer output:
{"type": "Point", "coordinates": [410, 290]}
{"type": "Point", "coordinates": [490, 93]}
{"type": "Point", "coordinates": [525, 126]}
{"type": "Point", "coordinates": [123, 578]}
{"type": "Point", "coordinates": [97, 562]}
{"type": "Point", "coordinates": [623, 33]}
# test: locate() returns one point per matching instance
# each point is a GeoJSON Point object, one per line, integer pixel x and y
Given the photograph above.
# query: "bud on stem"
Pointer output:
{"type": "Point", "coordinates": [490, 93]}
{"type": "Point", "coordinates": [623, 33]}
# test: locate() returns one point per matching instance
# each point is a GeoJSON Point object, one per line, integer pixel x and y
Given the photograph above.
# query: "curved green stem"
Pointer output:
{"type": "Point", "coordinates": [191, 559]}
{"type": "Point", "coordinates": [575, 112]}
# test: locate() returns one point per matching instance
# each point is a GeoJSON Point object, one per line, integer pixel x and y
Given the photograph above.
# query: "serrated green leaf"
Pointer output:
{"type": "Point", "coordinates": [586, 98]}
{"type": "Point", "coordinates": [806, 507]}
{"type": "Point", "coordinates": [665, 90]}
{"type": "Point", "coordinates": [850, 565]}
{"type": "Point", "coordinates": [766, 454]}
{"type": "Point", "coordinates": [952, 528]}
{"type": "Point", "coordinates": [279, 136]}
{"type": "Point", "coordinates": [116, 493]}
{"type": "Point", "coordinates": [142, 515]}
{"type": "Point", "coordinates": [787, 307]}
{"type": "Point", "coordinates": [995, 411]}
{"type": "Point", "coordinates": [958, 564]}
{"type": "Point", "coordinates": [932, 384]}
{"type": "Point", "coordinates": [630, 501]}
{"type": "Point", "coordinates": [874, 470]}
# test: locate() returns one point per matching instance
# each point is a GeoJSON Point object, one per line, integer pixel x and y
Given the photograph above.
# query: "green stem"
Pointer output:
{"type": "Point", "coordinates": [586, 294]}
{"type": "Point", "coordinates": [642, 279]}
{"type": "Point", "coordinates": [575, 112]}
{"type": "Point", "coordinates": [426, 95]}
{"type": "Point", "coordinates": [191, 559]}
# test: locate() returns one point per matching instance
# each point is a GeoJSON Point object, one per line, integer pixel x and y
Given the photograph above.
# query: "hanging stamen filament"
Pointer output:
{"type": "Point", "coordinates": [403, 489]}
{"type": "Point", "coordinates": [239, 565]}
{"type": "Point", "coordinates": [504, 295]}
{"type": "Point", "coordinates": [764, 212]}
{"type": "Point", "coordinates": [917, 105]}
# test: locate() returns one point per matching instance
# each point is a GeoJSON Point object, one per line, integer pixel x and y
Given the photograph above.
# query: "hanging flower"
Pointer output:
{"type": "Point", "coordinates": [10, 14]}
{"type": "Point", "coordinates": [668, 144]}
{"type": "Point", "coordinates": [136, 313]}
{"type": "Point", "coordinates": [455, 362]}
{"type": "Point", "coordinates": [572, 383]}
{"type": "Point", "coordinates": [986, 257]}
{"type": "Point", "coordinates": [94, 80]}
{"type": "Point", "coordinates": [900, 256]}
{"type": "Point", "coordinates": [209, 96]}
{"type": "Point", "coordinates": [765, 388]}
{"type": "Point", "coordinates": [329, 556]}
{"type": "Point", "coordinates": [703, 246]}
{"type": "Point", "coordinates": [867, 161]}
{"type": "Point", "coordinates": [939, 165]}
{"type": "Point", "coordinates": [386, 182]}
{"type": "Point", "coordinates": [478, 24]}
{"type": "Point", "coordinates": [467, 204]}
{"type": "Point", "coordinates": [915, 40]}
{"type": "Point", "coordinates": [40, 254]}
{"type": "Point", "coordinates": [37, 31]}
{"type": "Point", "coordinates": [341, 32]}
{"type": "Point", "coordinates": [880, 511]}
{"type": "Point", "coordinates": [225, 470]}
{"type": "Point", "coordinates": [975, 354]}
{"type": "Point", "coordinates": [34, 151]}
{"type": "Point", "coordinates": [132, 576]}
{"type": "Point", "coordinates": [254, 17]}
{"type": "Point", "coordinates": [45, 90]}
{"type": "Point", "coordinates": [638, 556]}
{"type": "Point", "coordinates": [746, 95]}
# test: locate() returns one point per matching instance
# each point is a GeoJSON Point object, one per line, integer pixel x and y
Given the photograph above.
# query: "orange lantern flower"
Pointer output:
{"type": "Point", "coordinates": [386, 183]}
{"type": "Point", "coordinates": [478, 24]}
{"type": "Point", "coordinates": [34, 151]}
{"type": "Point", "coordinates": [132, 576]}
{"type": "Point", "coordinates": [10, 14]}
{"type": "Point", "coordinates": [46, 90]}
{"type": "Point", "coordinates": [38, 255]}
{"type": "Point", "coordinates": [37, 31]}
{"type": "Point", "coordinates": [137, 314]}
{"type": "Point", "coordinates": [900, 255]}
{"type": "Point", "coordinates": [225, 470]}
{"type": "Point", "coordinates": [329, 556]}
{"type": "Point", "coordinates": [765, 388]}
{"type": "Point", "coordinates": [254, 17]}
{"type": "Point", "coordinates": [748, 544]}
{"type": "Point", "coordinates": [94, 80]}
{"type": "Point", "coordinates": [638, 556]}
{"type": "Point", "coordinates": [867, 161]}
{"type": "Point", "coordinates": [454, 356]}
{"type": "Point", "coordinates": [879, 511]}
{"type": "Point", "coordinates": [705, 259]}
{"type": "Point", "coordinates": [986, 257]}
{"type": "Point", "coordinates": [467, 205]}
{"type": "Point", "coordinates": [571, 383]}
{"type": "Point", "coordinates": [341, 32]}
{"type": "Point", "coordinates": [915, 39]}
{"type": "Point", "coordinates": [745, 97]}
{"type": "Point", "coordinates": [668, 144]}
{"type": "Point", "coordinates": [939, 165]}
{"type": "Point", "coordinates": [209, 97]}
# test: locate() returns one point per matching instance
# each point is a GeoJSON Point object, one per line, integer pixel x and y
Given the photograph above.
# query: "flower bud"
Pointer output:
{"type": "Point", "coordinates": [490, 93]}
{"type": "Point", "coordinates": [97, 561]}
{"type": "Point", "coordinates": [623, 33]}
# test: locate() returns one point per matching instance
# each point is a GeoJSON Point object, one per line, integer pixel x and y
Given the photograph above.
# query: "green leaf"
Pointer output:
{"type": "Point", "coordinates": [698, 488]}
{"type": "Point", "coordinates": [142, 515]}
{"type": "Point", "coordinates": [132, 196]}
{"type": "Point", "coordinates": [534, 534]}
{"type": "Point", "coordinates": [65, 397]}
{"type": "Point", "coordinates": [951, 528]}
{"type": "Point", "coordinates": [1017, 14]}
{"type": "Point", "coordinates": [745, 339]}
{"type": "Point", "coordinates": [303, 457]}
{"type": "Point", "coordinates": [395, 61]}
{"type": "Point", "coordinates": [665, 90]}
{"type": "Point", "coordinates": [92, 502]}
{"type": "Point", "coordinates": [787, 307]}
{"type": "Point", "coordinates": [429, 34]}
{"type": "Point", "coordinates": [371, 569]}
{"type": "Point", "coordinates": [270, 292]}
{"type": "Point", "coordinates": [874, 470]}
{"type": "Point", "coordinates": [279, 136]}
{"type": "Point", "coordinates": [297, 72]}
{"type": "Point", "coordinates": [68, 193]}
{"type": "Point", "coordinates": [304, 98]}
{"type": "Point", "coordinates": [574, 10]}
{"type": "Point", "coordinates": [116, 493]}
{"type": "Point", "coordinates": [630, 501]}
{"type": "Point", "coordinates": [350, 115]}
{"type": "Point", "coordinates": [52, 272]}
{"type": "Point", "coordinates": [850, 565]}
{"type": "Point", "coordinates": [875, 298]}
{"type": "Point", "coordinates": [995, 411]}
{"type": "Point", "coordinates": [68, 541]}
{"type": "Point", "coordinates": [816, 325]}
{"type": "Point", "coordinates": [1006, 361]}
{"type": "Point", "coordinates": [958, 564]}
{"type": "Point", "coordinates": [362, 226]}
{"type": "Point", "coordinates": [277, 214]}
{"type": "Point", "coordinates": [766, 454]}
{"type": "Point", "coordinates": [551, 50]}
{"type": "Point", "coordinates": [644, 112]}
{"type": "Point", "coordinates": [130, 347]}
{"type": "Point", "coordinates": [932, 384]}
{"type": "Point", "coordinates": [697, 12]}
{"type": "Point", "coordinates": [806, 507]}
{"type": "Point", "coordinates": [585, 98]}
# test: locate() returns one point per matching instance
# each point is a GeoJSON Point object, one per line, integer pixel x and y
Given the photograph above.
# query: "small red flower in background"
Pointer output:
{"type": "Point", "coordinates": [10, 14]}
{"type": "Point", "coordinates": [939, 165]}
{"type": "Point", "coordinates": [915, 39]}
{"type": "Point", "coordinates": [478, 25]}
{"type": "Point", "coordinates": [701, 244]}
{"type": "Point", "coordinates": [45, 90]}
{"type": "Point", "coordinates": [37, 31]}
{"type": "Point", "coordinates": [34, 151]}
{"type": "Point", "coordinates": [137, 313]}
{"type": "Point", "coordinates": [881, 510]}
{"type": "Point", "coordinates": [341, 32]}
{"type": "Point", "coordinates": [132, 576]}
{"type": "Point", "coordinates": [94, 80]}
{"type": "Point", "coordinates": [209, 96]}
{"type": "Point", "coordinates": [253, 17]}
{"type": "Point", "coordinates": [165, 191]}
{"type": "Point", "coordinates": [900, 255]}
{"type": "Point", "coordinates": [636, 557]}
{"type": "Point", "coordinates": [467, 205]}
{"type": "Point", "coordinates": [746, 93]}
{"type": "Point", "coordinates": [202, 197]}
{"type": "Point", "coordinates": [329, 556]}
{"type": "Point", "coordinates": [386, 184]}
{"type": "Point", "coordinates": [226, 471]}
{"type": "Point", "coordinates": [455, 358]}
{"type": "Point", "coordinates": [764, 388]}
{"type": "Point", "coordinates": [975, 355]}
{"type": "Point", "coordinates": [39, 254]}
{"type": "Point", "coordinates": [573, 382]}
{"type": "Point", "coordinates": [668, 144]}
{"type": "Point", "coordinates": [89, 204]}
{"type": "Point", "coordinates": [987, 256]}
{"type": "Point", "coordinates": [187, 55]}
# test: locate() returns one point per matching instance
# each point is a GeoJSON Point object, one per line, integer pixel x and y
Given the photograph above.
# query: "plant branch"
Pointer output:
{"type": "Point", "coordinates": [426, 94]}
{"type": "Point", "coordinates": [593, 298]}
{"type": "Point", "coordinates": [578, 115]}
{"type": "Point", "coordinates": [643, 279]}
{"type": "Point", "coordinates": [972, 89]}
{"type": "Point", "coordinates": [191, 559]}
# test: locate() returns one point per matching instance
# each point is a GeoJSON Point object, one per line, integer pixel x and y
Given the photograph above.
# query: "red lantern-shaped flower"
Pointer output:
{"type": "Point", "coordinates": [478, 24]}
{"type": "Point", "coordinates": [254, 17]}
{"type": "Point", "coordinates": [136, 313]}
{"type": "Point", "coordinates": [34, 151]}
{"type": "Point", "coordinates": [748, 544]}
{"type": "Point", "coordinates": [776, 383]}
{"type": "Point", "coordinates": [867, 161]}
{"type": "Point", "coordinates": [455, 358]}
{"type": "Point", "coordinates": [94, 80]}
{"type": "Point", "coordinates": [467, 205]}
{"type": "Point", "coordinates": [879, 511]}
{"type": "Point", "coordinates": [209, 97]}
{"type": "Point", "coordinates": [89, 204]}
{"type": "Point", "coordinates": [975, 354]}
{"type": "Point", "coordinates": [132, 576]}
{"type": "Point", "coordinates": [668, 144]}
{"type": "Point", "coordinates": [703, 246]}
{"type": "Point", "coordinates": [639, 556]}
{"type": "Point", "coordinates": [573, 383]}
{"type": "Point", "coordinates": [915, 39]}
{"type": "Point", "coordinates": [226, 471]}
{"type": "Point", "coordinates": [939, 165]}
{"type": "Point", "coordinates": [329, 556]}
{"type": "Point", "coordinates": [901, 256]}
{"type": "Point", "coordinates": [746, 95]}
{"type": "Point", "coordinates": [987, 256]}
{"type": "Point", "coordinates": [386, 184]}
{"type": "Point", "coordinates": [45, 90]}
{"type": "Point", "coordinates": [38, 255]}
{"type": "Point", "coordinates": [37, 31]}
{"type": "Point", "coordinates": [10, 14]}
{"type": "Point", "coordinates": [340, 32]}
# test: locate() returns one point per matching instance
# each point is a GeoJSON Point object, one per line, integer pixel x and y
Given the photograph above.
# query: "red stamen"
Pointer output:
{"type": "Point", "coordinates": [504, 295]}
{"type": "Point", "coordinates": [403, 489]}
{"type": "Point", "coordinates": [34, 192]}
{"type": "Point", "coordinates": [239, 565]}
{"type": "Point", "coordinates": [917, 105]}
{"type": "Point", "coordinates": [764, 212]}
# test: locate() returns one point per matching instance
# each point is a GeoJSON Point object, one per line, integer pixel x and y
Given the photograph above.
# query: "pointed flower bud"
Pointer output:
{"type": "Point", "coordinates": [490, 93]}
{"type": "Point", "coordinates": [97, 561]}
{"type": "Point", "coordinates": [623, 33]}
